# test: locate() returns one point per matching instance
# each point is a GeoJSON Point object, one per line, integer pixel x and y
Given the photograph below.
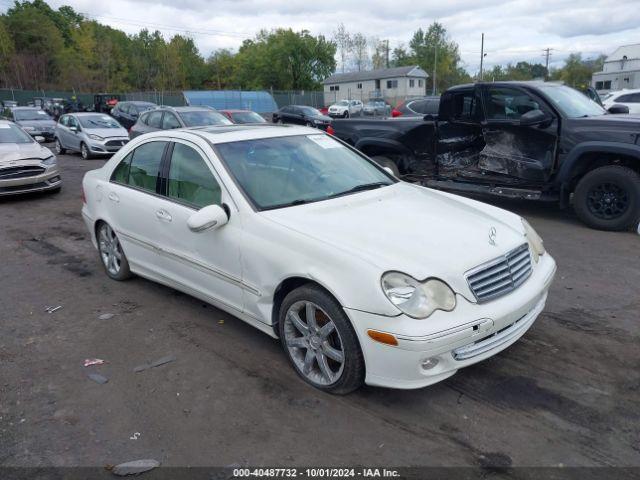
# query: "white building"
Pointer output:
{"type": "Point", "coordinates": [621, 70]}
{"type": "Point", "coordinates": [391, 84]}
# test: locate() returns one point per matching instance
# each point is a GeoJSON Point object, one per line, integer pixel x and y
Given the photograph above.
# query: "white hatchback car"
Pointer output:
{"type": "Point", "coordinates": [364, 278]}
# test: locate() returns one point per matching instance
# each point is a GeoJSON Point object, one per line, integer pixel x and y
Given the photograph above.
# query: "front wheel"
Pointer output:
{"type": "Point", "coordinates": [385, 162]}
{"type": "Point", "coordinates": [320, 342]}
{"type": "Point", "coordinates": [84, 151]}
{"type": "Point", "coordinates": [60, 150]}
{"type": "Point", "coordinates": [608, 198]}
{"type": "Point", "coordinates": [113, 258]}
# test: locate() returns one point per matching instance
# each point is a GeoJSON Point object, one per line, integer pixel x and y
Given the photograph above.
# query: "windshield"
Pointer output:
{"type": "Point", "coordinates": [27, 115]}
{"type": "Point", "coordinates": [143, 107]}
{"type": "Point", "coordinates": [201, 118]}
{"type": "Point", "coordinates": [343, 102]}
{"type": "Point", "coordinates": [247, 117]}
{"type": "Point", "coordinates": [10, 133]}
{"type": "Point", "coordinates": [572, 103]}
{"type": "Point", "coordinates": [286, 171]}
{"type": "Point", "coordinates": [98, 121]}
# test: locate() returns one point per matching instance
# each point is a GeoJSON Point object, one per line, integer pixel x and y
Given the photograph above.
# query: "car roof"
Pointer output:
{"type": "Point", "coordinates": [625, 91]}
{"type": "Point", "coordinates": [234, 110]}
{"type": "Point", "coordinates": [239, 132]}
{"type": "Point", "coordinates": [137, 102]}
{"type": "Point", "coordinates": [27, 108]}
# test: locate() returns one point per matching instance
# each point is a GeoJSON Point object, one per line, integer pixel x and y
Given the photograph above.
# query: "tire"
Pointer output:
{"type": "Point", "coordinates": [84, 151]}
{"type": "Point", "coordinates": [385, 162]}
{"type": "Point", "coordinates": [339, 341]}
{"type": "Point", "coordinates": [346, 114]}
{"type": "Point", "coordinates": [118, 270]}
{"type": "Point", "coordinates": [608, 198]}
{"type": "Point", "coordinates": [308, 124]}
{"type": "Point", "coordinates": [60, 150]}
{"type": "Point", "coordinates": [279, 122]}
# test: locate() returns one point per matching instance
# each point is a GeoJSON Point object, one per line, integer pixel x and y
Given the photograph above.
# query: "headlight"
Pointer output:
{"type": "Point", "coordinates": [417, 299]}
{"type": "Point", "coordinates": [96, 137]}
{"type": "Point", "coordinates": [535, 242]}
{"type": "Point", "coordinates": [49, 160]}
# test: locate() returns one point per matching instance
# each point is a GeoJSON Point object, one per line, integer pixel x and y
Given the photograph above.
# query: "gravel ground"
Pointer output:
{"type": "Point", "coordinates": [566, 394]}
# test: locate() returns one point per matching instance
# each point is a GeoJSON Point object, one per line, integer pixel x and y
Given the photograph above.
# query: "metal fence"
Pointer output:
{"type": "Point", "coordinates": [312, 98]}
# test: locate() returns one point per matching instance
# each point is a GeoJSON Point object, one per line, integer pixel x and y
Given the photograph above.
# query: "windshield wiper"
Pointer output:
{"type": "Point", "coordinates": [360, 188]}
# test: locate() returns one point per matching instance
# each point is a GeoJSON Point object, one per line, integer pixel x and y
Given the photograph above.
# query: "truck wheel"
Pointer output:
{"type": "Point", "coordinates": [608, 198]}
{"type": "Point", "coordinates": [385, 162]}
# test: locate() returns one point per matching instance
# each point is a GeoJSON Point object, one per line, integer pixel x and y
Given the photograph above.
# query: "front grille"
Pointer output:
{"type": "Point", "coordinates": [116, 143]}
{"type": "Point", "coordinates": [501, 275]}
{"type": "Point", "coordinates": [20, 172]}
{"type": "Point", "coordinates": [23, 188]}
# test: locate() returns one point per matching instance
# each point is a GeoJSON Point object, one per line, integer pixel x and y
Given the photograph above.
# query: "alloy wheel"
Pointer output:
{"type": "Point", "coordinates": [58, 147]}
{"type": "Point", "coordinates": [314, 343]}
{"type": "Point", "coordinates": [110, 249]}
{"type": "Point", "coordinates": [608, 201]}
{"type": "Point", "coordinates": [84, 151]}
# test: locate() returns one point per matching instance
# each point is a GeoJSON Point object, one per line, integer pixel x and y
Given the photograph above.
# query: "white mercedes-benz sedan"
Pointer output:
{"type": "Point", "coordinates": [362, 277]}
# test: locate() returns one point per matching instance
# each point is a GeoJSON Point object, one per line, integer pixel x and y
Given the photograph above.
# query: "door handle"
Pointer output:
{"type": "Point", "coordinates": [113, 197]}
{"type": "Point", "coordinates": [163, 215]}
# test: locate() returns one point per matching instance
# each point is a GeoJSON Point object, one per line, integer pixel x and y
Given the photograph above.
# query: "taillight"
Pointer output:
{"type": "Point", "coordinates": [396, 113]}
{"type": "Point", "coordinates": [84, 199]}
{"type": "Point", "coordinates": [330, 130]}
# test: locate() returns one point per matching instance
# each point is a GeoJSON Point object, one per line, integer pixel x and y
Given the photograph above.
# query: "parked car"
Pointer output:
{"type": "Point", "coordinates": [417, 107]}
{"type": "Point", "coordinates": [297, 234]}
{"type": "Point", "coordinates": [25, 165]}
{"type": "Point", "coordinates": [345, 108]}
{"type": "Point", "coordinates": [302, 115]}
{"type": "Point", "coordinates": [91, 134]}
{"type": "Point", "coordinates": [628, 98]}
{"type": "Point", "coordinates": [34, 121]}
{"type": "Point", "coordinates": [528, 140]}
{"type": "Point", "coordinates": [104, 102]}
{"type": "Point", "coordinates": [8, 104]}
{"type": "Point", "coordinates": [243, 116]}
{"type": "Point", "coordinates": [127, 113]}
{"type": "Point", "coordinates": [168, 118]}
{"type": "Point", "coordinates": [377, 107]}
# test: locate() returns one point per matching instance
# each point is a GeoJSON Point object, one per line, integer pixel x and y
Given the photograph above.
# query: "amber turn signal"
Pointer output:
{"type": "Point", "coordinates": [382, 337]}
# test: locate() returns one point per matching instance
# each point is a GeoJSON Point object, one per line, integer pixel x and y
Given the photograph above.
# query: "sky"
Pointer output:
{"type": "Point", "coordinates": [514, 31]}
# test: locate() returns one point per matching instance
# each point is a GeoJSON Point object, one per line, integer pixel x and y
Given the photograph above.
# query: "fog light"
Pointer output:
{"type": "Point", "coordinates": [429, 363]}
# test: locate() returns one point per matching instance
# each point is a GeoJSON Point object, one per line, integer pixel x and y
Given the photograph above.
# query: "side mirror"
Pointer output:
{"type": "Point", "coordinates": [212, 216]}
{"type": "Point", "coordinates": [74, 129]}
{"type": "Point", "coordinates": [388, 170]}
{"type": "Point", "coordinates": [533, 117]}
{"type": "Point", "coordinates": [39, 139]}
{"type": "Point", "coordinates": [616, 108]}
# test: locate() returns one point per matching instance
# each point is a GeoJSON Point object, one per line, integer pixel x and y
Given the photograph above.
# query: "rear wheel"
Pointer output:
{"type": "Point", "coordinates": [113, 258]}
{"type": "Point", "coordinates": [608, 198]}
{"type": "Point", "coordinates": [60, 150]}
{"type": "Point", "coordinates": [385, 162]}
{"type": "Point", "coordinates": [320, 342]}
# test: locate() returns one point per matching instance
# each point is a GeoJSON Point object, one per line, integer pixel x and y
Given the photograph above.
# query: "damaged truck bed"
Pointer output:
{"type": "Point", "coordinates": [528, 140]}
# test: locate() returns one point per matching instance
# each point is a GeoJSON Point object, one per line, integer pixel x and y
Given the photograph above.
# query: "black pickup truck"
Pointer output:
{"type": "Point", "coordinates": [529, 140]}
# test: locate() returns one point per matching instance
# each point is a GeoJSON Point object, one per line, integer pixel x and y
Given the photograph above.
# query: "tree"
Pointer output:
{"type": "Point", "coordinates": [285, 60]}
{"type": "Point", "coordinates": [344, 44]}
{"type": "Point", "coordinates": [379, 53]}
{"type": "Point", "coordinates": [221, 69]}
{"type": "Point", "coordinates": [360, 51]}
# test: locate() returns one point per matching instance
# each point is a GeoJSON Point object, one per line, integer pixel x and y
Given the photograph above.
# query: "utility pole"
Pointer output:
{"type": "Point", "coordinates": [435, 63]}
{"type": "Point", "coordinates": [481, 55]}
{"type": "Point", "coordinates": [546, 63]}
{"type": "Point", "coordinates": [387, 52]}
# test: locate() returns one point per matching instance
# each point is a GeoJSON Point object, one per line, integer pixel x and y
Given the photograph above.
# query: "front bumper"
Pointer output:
{"type": "Point", "coordinates": [47, 180]}
{"type": "Point", "coordinates": [480, 331]}
{"type": "Point", "coordinates": [47, 134]}
{"type": "Point", "coordinates": [106, 146]}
